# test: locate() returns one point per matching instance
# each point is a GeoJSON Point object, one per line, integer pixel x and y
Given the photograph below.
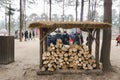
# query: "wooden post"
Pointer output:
{"type": "Point", "coordinates": [46, 44]}
{"type": "Point", "coordinates": [97, 47]}
{"type": "Point", "coordinates": [41, 46]}
{"type": "Point", "coordinates": [44, 40]}
{"type": "Point", "coordinates": [90, 43]}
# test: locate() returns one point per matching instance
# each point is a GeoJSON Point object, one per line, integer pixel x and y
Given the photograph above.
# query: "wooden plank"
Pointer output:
{"type": "Point", "coordinates": [97, 47]}
{"type": "Point", "coordinates": [96, 71]}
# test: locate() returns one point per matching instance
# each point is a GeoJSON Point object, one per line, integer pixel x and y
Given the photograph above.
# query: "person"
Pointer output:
{"type": "Point", "coordinates": [81, 39]}
{"type": "Point", "coordinates": [118, 40]}
{"type": "Point", "coordinates": [33, 34]}
{"type": "Point", "coordinates": [58, 35]}
{"type": "Point", "coordinates": [70, 42]}
{"type": "Point", "coordinates": [26, 35]}
{"type": "Point", "coordinates": [22, 34]}
{"type": "Point", "coordinates": [72, 35]}
{"type": "Point", "coordinates": [16, 34]}
{"type": "Point", "coordinates": [30, 35]}
{"type": "Point", "coordinates": [65, 38]}
{"type": "Point", "coordinates": [49, 40]}
{"type": "Point", "coordinates": [79, 33]}
{"type": "Point", "coordinates": [76, 39]}
{"type": "Point", "coordinates": [53, 39]}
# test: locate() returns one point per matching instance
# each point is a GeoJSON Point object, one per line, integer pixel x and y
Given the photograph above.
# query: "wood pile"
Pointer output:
{"type": "Point", "coordinates": [64, 57]}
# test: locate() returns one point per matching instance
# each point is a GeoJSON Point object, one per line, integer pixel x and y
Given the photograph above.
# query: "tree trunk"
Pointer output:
{"type": "Point", "coordinates": [82, 10]}
{"type": "Point", "coordinates": [50, 10]}
{"type": "Point", "coordinates": [119, 17]}
{"type": "Point", "coordinates": [94, 10]}
{"type": "Point", "coordinates": [89, 10]}
{"type": "Point", "coordinates": [63, 10]}
{"type": "Point", "coordinates": [6, 17]}
{"type": "Point", "coordinates": [24, 16]}
{"type": "Point", "coordinates": [106, 44]}
{"type": "Point", "coordinates": [76, 9]}
{"type": "Point", "coordinates": [9, 20]}
{"type": "Point", "coordinates": [21, 20]}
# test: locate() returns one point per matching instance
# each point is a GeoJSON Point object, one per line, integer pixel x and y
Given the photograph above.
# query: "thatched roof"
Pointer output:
{"type": "Point", "coordinates": [67, 25]}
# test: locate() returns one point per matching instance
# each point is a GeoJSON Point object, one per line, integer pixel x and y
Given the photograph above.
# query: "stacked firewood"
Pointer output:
{"type": "Point", "coordinates": [65, 57]}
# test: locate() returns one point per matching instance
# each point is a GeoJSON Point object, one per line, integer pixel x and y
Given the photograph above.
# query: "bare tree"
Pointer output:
{"type": "Point", "coordinates": [89, 10]}
{"type": "Point", "coordinates": [82, 10]}
{"type": "Point", "coordinates": [50, 2]}
{"type": "Point", "coordinates": [9, 13]}
{"type": "Point", "coordinates": [106, 44]}
{"type": "Point", "coordinates": [92, 10]}
{"type": "Point", "coordinates": [119, 17]}
{"type": "Point", "coordinates": [21, 19]}
{"type": "Point", "coordinates": [76, 12]}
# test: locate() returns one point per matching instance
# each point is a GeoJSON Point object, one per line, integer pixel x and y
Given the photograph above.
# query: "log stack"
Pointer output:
{"type": "Point", "coordinates": [66, 57]}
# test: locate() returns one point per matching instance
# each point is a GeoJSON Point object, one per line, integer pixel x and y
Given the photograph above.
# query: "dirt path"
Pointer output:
{"type": "Point", "coordinates": [27, 63]}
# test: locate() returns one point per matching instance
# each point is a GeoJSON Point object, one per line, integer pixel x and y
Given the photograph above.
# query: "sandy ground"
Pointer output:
{"type": "Point", "coordinates": [27, 63]}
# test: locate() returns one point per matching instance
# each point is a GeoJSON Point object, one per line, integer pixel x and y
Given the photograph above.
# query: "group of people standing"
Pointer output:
{"type": "Point", "coordinates": [29, 35]}
{"type": "Point", "coordinates": [26, 35]}
{"type": "Point", "coordinates": [74, 38]}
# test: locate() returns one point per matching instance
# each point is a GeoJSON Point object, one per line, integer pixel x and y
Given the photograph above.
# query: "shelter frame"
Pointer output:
{"type": "Point", "coordinates": [47, 27]}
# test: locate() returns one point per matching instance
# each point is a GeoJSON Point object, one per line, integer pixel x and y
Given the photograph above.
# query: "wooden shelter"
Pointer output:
{"type": "Point", "coordinates": [91, 27]}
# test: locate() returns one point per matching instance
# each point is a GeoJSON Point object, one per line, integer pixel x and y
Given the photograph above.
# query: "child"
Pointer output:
{"type": "Point", "coordinates": [70, 42]}
{"type": "Point", "coordinates": [118, 40]}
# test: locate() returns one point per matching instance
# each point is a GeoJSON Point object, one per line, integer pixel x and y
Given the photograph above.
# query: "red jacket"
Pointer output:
{"type": "Point", "coordinates": [70, 40]}
{"type": "Point", "coordinates": [118, 38]}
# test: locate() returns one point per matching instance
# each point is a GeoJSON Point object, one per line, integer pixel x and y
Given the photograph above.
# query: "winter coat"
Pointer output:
{"type": "Point", "coordinates": [118, 39]}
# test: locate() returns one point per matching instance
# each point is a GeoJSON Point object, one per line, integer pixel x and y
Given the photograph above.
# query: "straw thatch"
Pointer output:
{"type": "Point", "coordinates": [67, 25]}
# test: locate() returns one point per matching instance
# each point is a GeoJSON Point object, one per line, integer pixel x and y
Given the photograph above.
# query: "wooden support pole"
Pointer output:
{"type": "Point", "coordinates": [41, 47]}
{"type": "Point", "coordinates": [90, 39]}
{"type": "Point", "coordinates": [45, 31]}
{"type": "Point", "coordinates": [46, 44]}
{"type": "Point", "coordinates": [90, 43]}
{"type": "Point", "coordinates": [46, 40]}
{"type": "Point", "coordinates": [97, 47]}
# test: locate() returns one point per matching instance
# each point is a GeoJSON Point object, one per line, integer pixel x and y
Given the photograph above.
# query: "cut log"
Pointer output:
{"type": "Point", "coordinates": [94, 65]}
{"type": "Point", "coordinates": [43, 69]}
{"type": "Point", "coordinates": [100, 65]}
{"type": "Point", "coordinates": [65, 59]}
{"type": "Point", "coordinates": [89, 67]}
{"type": "Point", "coordinates": [51, 69]}
{"type": "Point", "coordinates": [45, 62]}
{"type": "Point", "coordinates": [64, 67]}
{"type": "Point", "coordinates": [49, 65]}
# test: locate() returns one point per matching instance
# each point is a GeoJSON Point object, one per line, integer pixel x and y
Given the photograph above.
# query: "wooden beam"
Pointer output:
{"type": "Point", "coordinates": [97, 47]}
{"type": "Point", "coordinates": [96, 71]}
